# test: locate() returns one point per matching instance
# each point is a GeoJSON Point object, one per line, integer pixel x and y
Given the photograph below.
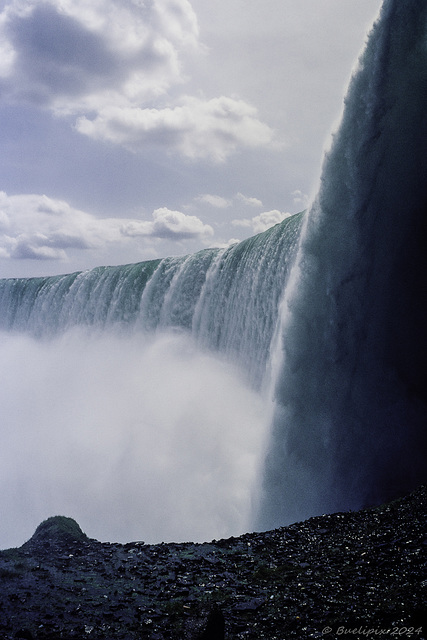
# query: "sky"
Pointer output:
{"type": "Point", "coordinates": [136, 129]}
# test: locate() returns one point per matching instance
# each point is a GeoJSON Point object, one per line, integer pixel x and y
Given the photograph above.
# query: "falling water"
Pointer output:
{"type": "Point", "coordinates": [136, 398]}
{"type": "Point", "coordinates": [351, 392]}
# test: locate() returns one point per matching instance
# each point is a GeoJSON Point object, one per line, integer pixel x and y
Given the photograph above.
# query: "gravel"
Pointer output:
{"type": "Point", "coordinates": [346, 575]}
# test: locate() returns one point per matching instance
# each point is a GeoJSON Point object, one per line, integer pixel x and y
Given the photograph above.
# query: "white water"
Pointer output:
{"type": "Point", "coordinates": [136, 437]}
{"type": "Point", "coordinates": [113, 411]}
{"type": "Point", "coordinates": [350, 427]}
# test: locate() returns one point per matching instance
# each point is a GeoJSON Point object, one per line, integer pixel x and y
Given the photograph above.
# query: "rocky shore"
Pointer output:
{"type": "Point", "coordinates": [346, 575]}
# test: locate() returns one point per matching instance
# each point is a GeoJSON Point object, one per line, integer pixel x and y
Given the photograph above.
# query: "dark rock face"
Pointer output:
{"type": "Point", "coordinates": [333, 576]}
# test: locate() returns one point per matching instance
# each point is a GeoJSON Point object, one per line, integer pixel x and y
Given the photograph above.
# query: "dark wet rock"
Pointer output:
{"type": "Point", "coordinates": [215, 626]}
{"type": "Point", "coordinates": [24, 634]}
{"type": "Point", "coordinates": [249, 605]}
{"type": "Point", "coordinates": [347, 572]}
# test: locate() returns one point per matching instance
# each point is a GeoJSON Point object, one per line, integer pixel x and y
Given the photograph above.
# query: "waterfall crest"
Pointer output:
{"type": "Point", "coordinates": [226, 298]}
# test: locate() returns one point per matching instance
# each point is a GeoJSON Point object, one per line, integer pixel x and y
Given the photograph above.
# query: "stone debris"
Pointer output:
{"type": "Point", "coordinates": [346, 575]}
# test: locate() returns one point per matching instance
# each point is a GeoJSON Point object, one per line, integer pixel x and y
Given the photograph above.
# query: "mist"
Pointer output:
{"type": "Point", "coordinates": [137, 437]}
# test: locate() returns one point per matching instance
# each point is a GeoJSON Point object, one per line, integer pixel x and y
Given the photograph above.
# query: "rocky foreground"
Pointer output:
{"type": "Point", "coordinates": [346, 575]}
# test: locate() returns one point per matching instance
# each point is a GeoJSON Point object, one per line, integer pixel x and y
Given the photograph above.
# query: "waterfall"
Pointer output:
{"type": "Point", "coordinates": [166, 364]}
{"type": "Point", "coordinates": [133, 397]}
{"type": "Point", "coordinates": [351, 415]}
{"type": "Point", "coordinates": [227, 299]}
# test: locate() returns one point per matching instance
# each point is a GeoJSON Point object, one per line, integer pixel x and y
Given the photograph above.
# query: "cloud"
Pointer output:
{"type": "Point", "coordinates": [81, 54]}
{"type": "Point", "coordinates": [36, 227]}
{"type": "Point", "coordinates": [214, 201]}
{"type": "Point", "coordinates": [251, 202]}
{"type": "Point", "coordinates": [226, 243]}
{"type": "Point", "coordinates": [41, 228]}
{"type": "Point", "coordinates": [262, 222]}
{"type": "Point", "coordinates": [168, 224]}
{"type": "Point", "coordinates": [300, 199]}
{"type": "Point", "coordinates": [196, 128]}
{"type": "Point", "coordinates": [28, 249]}
{"type": "Point", "coordinates": [137, 436]}
{"type": "Point", "coordinates": [110, 64]}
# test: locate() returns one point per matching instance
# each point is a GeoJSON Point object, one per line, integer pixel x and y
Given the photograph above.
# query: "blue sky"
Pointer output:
{"type": "Point", "coordinates": [135, 129]}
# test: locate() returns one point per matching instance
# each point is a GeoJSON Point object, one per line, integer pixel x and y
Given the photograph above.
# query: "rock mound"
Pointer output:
{"type": "Point", "coordinates": [57, 529]}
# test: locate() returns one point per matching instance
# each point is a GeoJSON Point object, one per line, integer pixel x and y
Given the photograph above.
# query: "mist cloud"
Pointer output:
{"type": "Point", "coordinates": [137, 438]}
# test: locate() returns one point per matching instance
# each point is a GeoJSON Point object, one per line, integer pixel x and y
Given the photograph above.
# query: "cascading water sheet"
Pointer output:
{"type": "Point", "coordinates": [351, 393]}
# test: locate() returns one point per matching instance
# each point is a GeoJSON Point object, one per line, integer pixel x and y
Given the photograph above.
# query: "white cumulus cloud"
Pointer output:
{"type": "Point", "coordinates": [249, 201]}
{"type": "Point", "coordinates": [110, 65]}
{"type": "Point", "coordinates": [36, 227]}
{"type": "Point", "coordinates": [196, 128]}
{"type": "Point", "coordinates": [300, 199]}
{"type": "Point", "coordinates": [74, 55]}
{"type": "Point", "coordinates": [264, 221]}
{"type": "Point", "coordinates": [218, 202]}
{"type": "Point", "coordinates": [169, 224]}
